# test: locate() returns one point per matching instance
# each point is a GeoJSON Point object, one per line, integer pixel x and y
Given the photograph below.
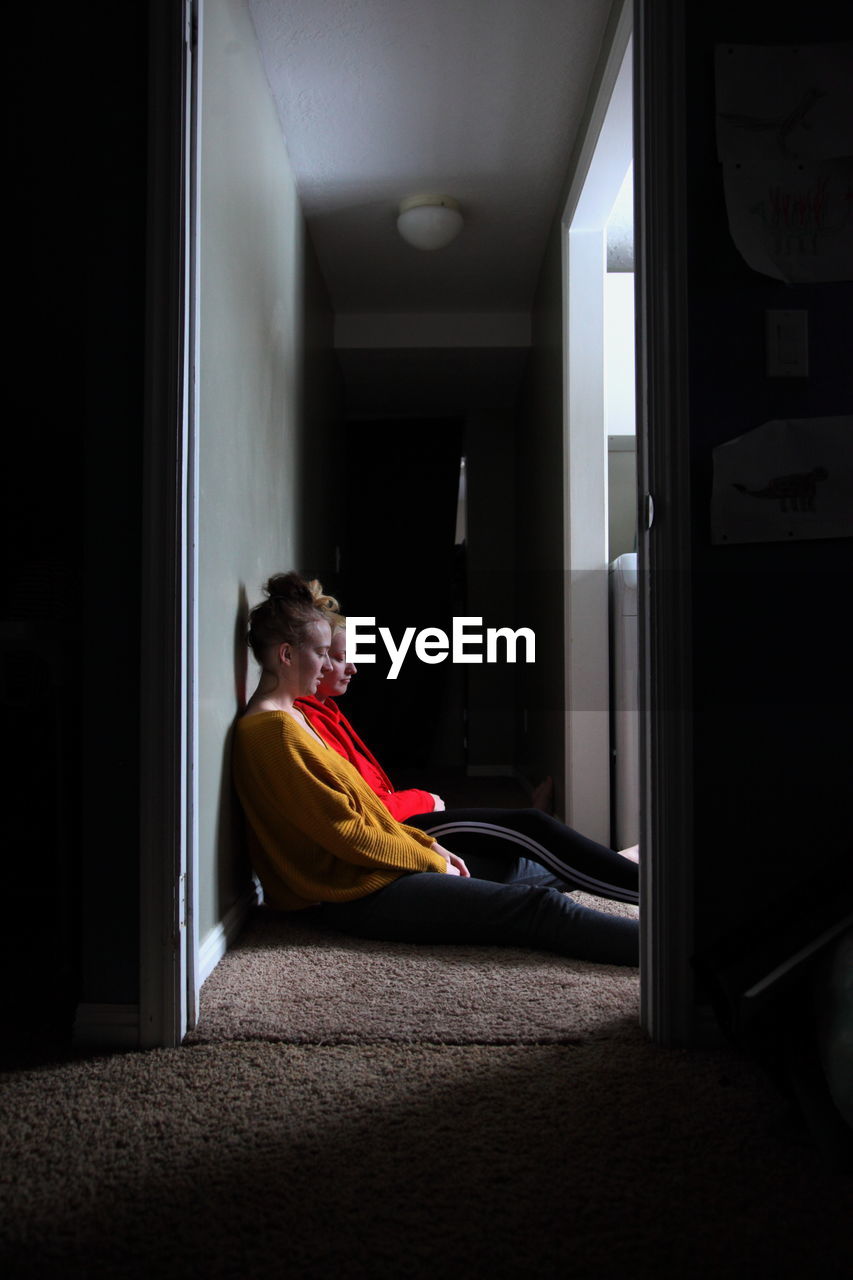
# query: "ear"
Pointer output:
{"type": "Point", "coordinates": [285, 654]}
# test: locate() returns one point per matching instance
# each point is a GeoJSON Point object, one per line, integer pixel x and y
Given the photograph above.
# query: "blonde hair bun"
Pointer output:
{"type": "Point", "coordinates": [327, 604]}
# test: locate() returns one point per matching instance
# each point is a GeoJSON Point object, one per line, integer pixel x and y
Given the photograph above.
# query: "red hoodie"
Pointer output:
{"type": "Point", "coordinates": [334, 728]}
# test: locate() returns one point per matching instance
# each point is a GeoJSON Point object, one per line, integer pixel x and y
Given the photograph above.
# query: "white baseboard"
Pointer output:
{"type": "Point", "coordinates": [106, 1026]}
{"type": "Point", "coordinates": [218, 939]}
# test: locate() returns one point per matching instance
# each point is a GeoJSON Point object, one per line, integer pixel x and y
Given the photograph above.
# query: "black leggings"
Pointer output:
{"type": "Point", "coordinates": [503, 835]}
{"type": "Point", "coordinates": [511, 899]}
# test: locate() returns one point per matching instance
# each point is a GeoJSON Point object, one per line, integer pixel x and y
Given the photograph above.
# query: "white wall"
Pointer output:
{"type": "Point", "coordinates": [251, 338]}
{"type": "Point", "coordinates": [619, 409]}
{"type": "Point", "coordinates": [620, 421]}
{"type": "Point", "coordinates": [621, 495]}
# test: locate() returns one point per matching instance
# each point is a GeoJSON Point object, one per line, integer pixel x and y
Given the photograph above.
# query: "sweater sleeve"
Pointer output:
{"type": "Point", "coordinates": [324, 798]}
{"type": "Point", "coordinates": [404, 804]}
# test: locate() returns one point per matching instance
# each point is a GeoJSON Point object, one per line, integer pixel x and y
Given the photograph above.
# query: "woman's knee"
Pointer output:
{"type": "Point", "coordinates": [540, 825]}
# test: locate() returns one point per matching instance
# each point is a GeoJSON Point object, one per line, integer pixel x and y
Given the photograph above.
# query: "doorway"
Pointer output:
{"type": "Point", "coordinates": [639, 113]}
{"type": "Point", "coordinates": [601, 177]}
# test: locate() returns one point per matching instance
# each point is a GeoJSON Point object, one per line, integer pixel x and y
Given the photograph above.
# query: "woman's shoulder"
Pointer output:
{"type": "Point", "coordinates": [263, 728]}
{"type": "Point", "coordinates": [261, 723]}
{"type": "Point", "coordinates": [252, 715]}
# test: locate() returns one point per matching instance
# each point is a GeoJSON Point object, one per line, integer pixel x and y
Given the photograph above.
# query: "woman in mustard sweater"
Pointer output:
{"type": "Point", "coordinates": [320, 838]}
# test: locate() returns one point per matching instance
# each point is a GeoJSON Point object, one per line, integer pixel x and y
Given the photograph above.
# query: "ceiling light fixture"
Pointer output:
{"type": "Point", "coordinates": [429, 222]}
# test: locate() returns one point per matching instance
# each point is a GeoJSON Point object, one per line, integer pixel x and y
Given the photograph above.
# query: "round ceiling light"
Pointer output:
{"type": "Point", "coordinates": [429, 222]}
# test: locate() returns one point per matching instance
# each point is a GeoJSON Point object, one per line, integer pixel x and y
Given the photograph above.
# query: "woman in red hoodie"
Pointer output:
{"type": "Point", "coordinates": [521, 844]}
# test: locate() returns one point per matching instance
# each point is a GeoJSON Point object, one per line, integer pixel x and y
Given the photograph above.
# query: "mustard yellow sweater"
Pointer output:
{"type": "Point", "coordinates": [317, 833]}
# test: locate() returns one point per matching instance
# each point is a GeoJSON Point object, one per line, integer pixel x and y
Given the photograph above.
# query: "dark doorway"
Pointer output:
{"type": "Point", "coordinates": [400, 566]}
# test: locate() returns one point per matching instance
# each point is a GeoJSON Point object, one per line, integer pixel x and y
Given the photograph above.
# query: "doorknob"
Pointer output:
{"type": "Point", "coordinates": [648, 506]}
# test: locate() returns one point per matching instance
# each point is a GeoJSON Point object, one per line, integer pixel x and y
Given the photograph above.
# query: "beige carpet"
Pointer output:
{"type": "Point", "coordinates": [285, 981]}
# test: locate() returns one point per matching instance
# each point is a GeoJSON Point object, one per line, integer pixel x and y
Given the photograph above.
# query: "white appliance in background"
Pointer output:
{"type": "Point", "coordinates": [624, 702]}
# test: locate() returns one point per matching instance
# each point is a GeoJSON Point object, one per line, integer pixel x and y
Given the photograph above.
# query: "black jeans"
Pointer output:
{"type": "Point", "coordinates": [510, 900]}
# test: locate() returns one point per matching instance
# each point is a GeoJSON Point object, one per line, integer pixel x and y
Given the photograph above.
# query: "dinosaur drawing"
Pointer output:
{"type": "Point", "coordinates": [795, 492]}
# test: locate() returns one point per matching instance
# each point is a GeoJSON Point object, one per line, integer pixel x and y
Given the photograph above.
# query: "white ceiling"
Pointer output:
{"type": "Point", "coordinates": [477, 99]}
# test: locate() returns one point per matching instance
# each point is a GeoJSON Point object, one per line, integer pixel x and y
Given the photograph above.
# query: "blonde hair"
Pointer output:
{"type": "Point", "coordinates": [327, 605]}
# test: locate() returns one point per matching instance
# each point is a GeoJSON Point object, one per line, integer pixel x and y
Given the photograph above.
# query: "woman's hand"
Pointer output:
{"type": "Point", "coordinates": [437, 803]}
{"type": "Point", "coordinates": [455, 866]}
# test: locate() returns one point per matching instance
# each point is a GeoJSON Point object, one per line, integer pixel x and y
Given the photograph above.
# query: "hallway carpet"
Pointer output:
{"type": "Point", "coordinates": [284, 980]}
{"type": "Point", "coordinates": [610, 1159]}
{"type": "Point", "coordinates": [347, 1110]}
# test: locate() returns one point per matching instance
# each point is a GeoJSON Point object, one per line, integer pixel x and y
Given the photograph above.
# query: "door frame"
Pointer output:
{"type": "Point", "coordinates": [655, 32]}
{"type": "Point", "coordinates": [605, 155]}
{"type": "Point", "coordinates": [168, 986]}
{"type": "Point", "coordinates": [668, 1009]}
{"type": "Point", "coordinates": [168, 852]}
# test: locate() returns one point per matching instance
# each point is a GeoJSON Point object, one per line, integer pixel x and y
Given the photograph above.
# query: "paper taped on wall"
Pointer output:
{"type": "Point", "coordinates": [788, 479]}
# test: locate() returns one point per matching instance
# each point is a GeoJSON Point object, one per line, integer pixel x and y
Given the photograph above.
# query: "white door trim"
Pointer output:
{"type": "Point", "coordinates": [603, 162]}
{"type": "Point", "coordinates": [167, 675]}
{"type": "Point", "coordinates": [193, 976]}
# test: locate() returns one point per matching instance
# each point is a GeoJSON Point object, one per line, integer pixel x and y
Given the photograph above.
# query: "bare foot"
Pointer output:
{"type": "Point", "coordinates": [633, 854]}
{"type": "Point", "coordinates": [543, 795]}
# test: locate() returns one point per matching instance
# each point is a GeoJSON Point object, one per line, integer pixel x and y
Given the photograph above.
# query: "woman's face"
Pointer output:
{"type": "Point", "coordinates": [336, 681]}
{"type": "Point", "coordinates": [310, 659]}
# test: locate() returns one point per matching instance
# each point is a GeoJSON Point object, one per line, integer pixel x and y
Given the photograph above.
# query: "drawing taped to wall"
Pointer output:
{"type": "Point", "coordinates": [785, 141]}
{"type": "Point", "coordinates": [788, 479]}
{"type": "Point", "coordinates": [795, 492]}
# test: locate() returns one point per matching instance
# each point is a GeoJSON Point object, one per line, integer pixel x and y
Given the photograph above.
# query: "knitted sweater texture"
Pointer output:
{"type": "Point", "coordinates": [316, 831]}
